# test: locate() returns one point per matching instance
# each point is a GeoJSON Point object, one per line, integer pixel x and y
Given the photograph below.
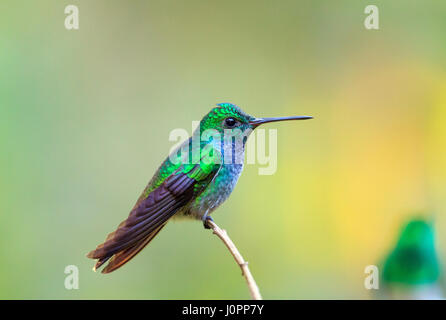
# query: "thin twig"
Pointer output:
{"type": "Point", "coordinates": [223, 235]}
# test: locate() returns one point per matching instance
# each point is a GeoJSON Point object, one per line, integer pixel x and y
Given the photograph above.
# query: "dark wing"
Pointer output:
{"type": "Point", "coordinates": [148, 217]}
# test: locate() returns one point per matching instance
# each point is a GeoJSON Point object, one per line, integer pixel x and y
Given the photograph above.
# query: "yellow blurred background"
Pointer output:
{"type": "Point", "coordinates": [85, 117]}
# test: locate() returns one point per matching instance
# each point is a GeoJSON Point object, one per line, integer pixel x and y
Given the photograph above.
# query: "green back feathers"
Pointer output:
{"type": "Point", "coordinates": [413, 260]}
{"type": "Point", "coordinates": [209, 160]}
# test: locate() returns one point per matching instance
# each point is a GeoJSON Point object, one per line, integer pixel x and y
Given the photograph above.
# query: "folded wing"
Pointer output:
{"type": "Point", "coordinates": [150, 215]}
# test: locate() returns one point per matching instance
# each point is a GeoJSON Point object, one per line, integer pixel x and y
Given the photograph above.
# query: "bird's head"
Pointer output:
{"type": "Point", "coordinates": [229, 117]}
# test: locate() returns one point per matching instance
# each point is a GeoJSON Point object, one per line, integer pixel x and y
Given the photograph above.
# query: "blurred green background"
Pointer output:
{"type": "Point", "coordinates": [85, 117]}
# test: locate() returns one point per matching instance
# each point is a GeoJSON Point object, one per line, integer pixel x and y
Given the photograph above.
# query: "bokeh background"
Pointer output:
{"type": "Point", "coordinates": [85, 117]}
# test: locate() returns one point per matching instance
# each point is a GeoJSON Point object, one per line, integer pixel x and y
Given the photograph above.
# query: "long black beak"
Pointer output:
{"type": "Point", "coordinates": [258, 121]}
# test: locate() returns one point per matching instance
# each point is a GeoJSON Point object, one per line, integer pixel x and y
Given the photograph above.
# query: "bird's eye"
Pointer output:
{"type": "Point", "coordinates": [230, 122]}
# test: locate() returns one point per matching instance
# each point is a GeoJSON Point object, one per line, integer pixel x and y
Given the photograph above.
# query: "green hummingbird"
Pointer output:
{"type": "Point", "coordinates": [412, 270]}
{"type": "Point", "coordinates": [192, 182]}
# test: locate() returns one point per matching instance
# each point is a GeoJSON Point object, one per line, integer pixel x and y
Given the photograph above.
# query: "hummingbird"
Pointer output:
{"type": "Point", "coordinates": [192, 182]}
{"type": "Point", "coordinates": [412, 270]}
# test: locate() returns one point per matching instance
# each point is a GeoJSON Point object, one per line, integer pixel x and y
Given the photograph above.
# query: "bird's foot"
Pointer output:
{"type": "Point", "coordinates": [205, 220]}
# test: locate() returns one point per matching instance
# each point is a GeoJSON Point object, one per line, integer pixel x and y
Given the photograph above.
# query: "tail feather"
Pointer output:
{"type": "Point", "coordinates": [122, 257]}
{"type": "Point", "coordinates": [149, 215]}
{"type": "Point", "coordinates": [100, 262]}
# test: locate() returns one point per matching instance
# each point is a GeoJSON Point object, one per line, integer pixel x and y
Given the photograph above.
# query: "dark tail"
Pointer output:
{"type": "Point", "coordinates": [122, 257]}
{"type": "Point", "coordinates": [147, 218]}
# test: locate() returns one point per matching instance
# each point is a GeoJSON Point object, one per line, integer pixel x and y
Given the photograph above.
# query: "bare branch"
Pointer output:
{"type": "Point", "coordinates": [222, 234]}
